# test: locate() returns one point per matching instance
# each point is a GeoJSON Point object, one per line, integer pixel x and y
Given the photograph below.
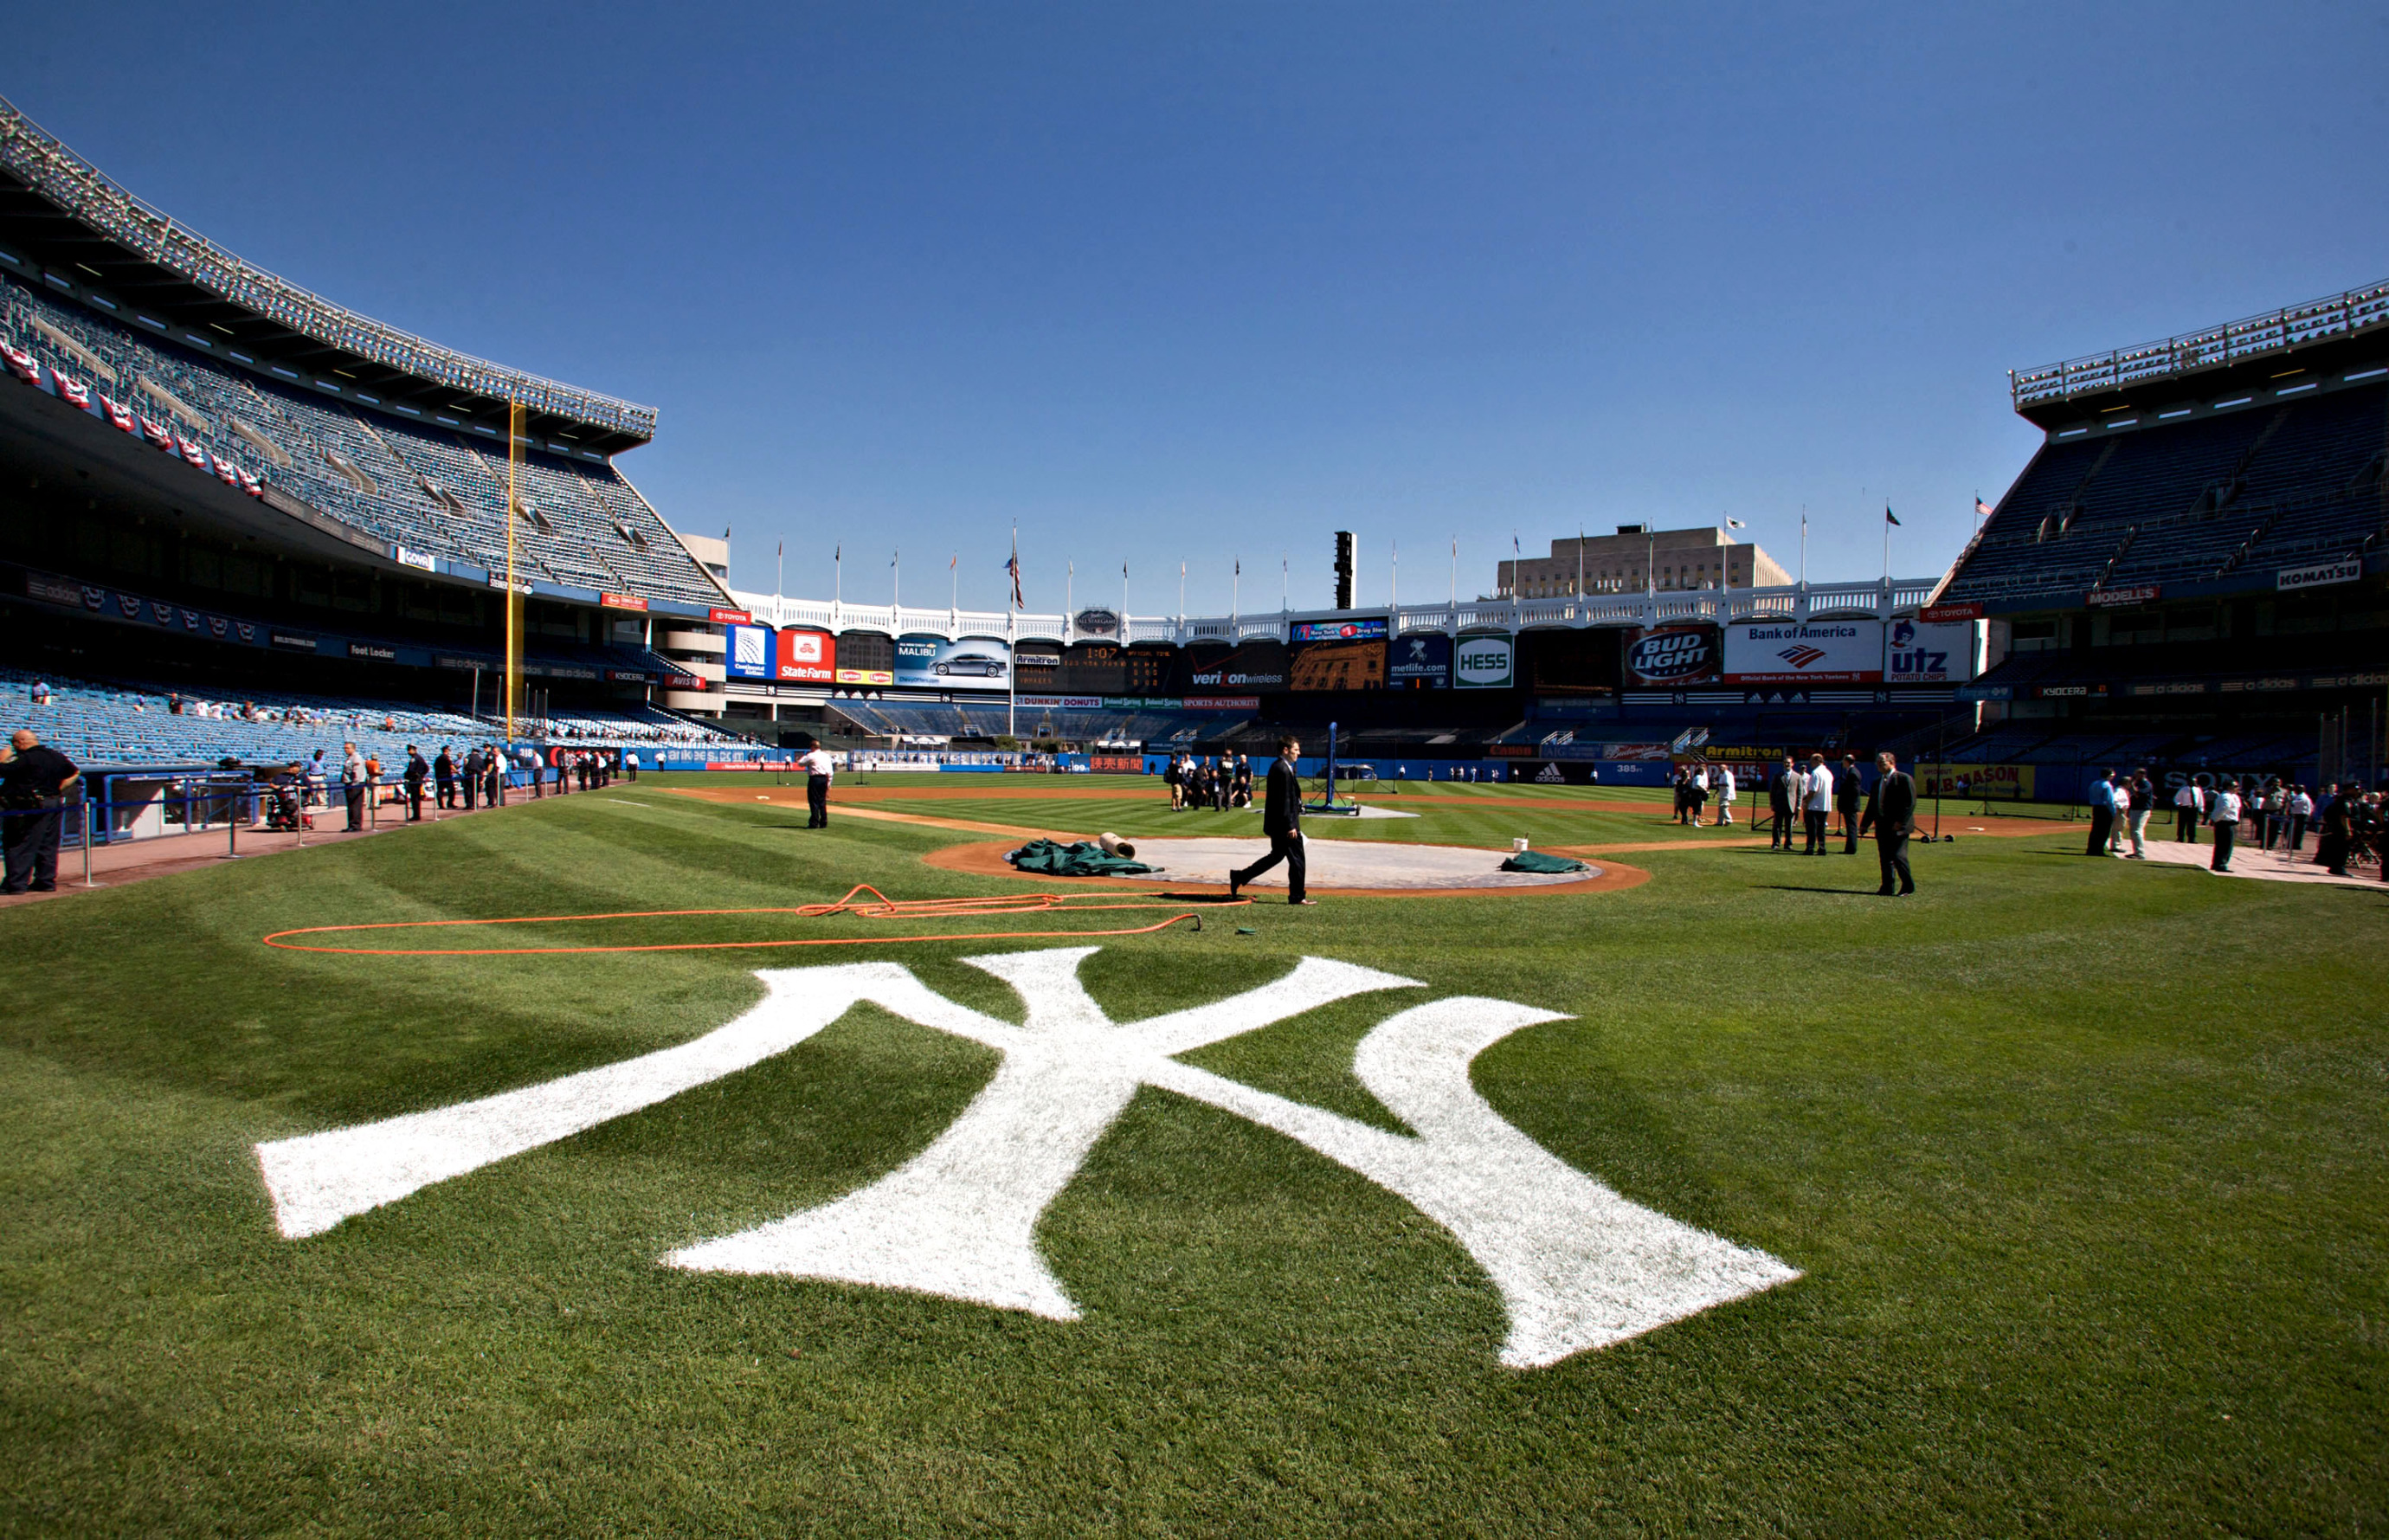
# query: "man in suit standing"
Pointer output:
{"type": "Point", "coordinates": [1282, 821]}
{"type": "Point", "coordinates": [1780, 796]}
{"type": "Point", "coordinates": [1891, 813]}
{"type": "Point", "coordinates": [1849, 797]}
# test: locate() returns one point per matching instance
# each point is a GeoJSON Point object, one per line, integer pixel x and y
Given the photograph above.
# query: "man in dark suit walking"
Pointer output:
{"type": "Point", "coordinates": [1891, 813]}
{"type": "Point", "coordinates": [1282, 821]}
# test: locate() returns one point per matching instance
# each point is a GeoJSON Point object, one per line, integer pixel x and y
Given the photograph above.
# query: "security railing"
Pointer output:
{"type": "Point", "coordinates": [2275, 331]}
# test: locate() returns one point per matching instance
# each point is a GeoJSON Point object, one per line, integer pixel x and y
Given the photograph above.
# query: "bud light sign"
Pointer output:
{"type": "Point", "coordinates": [1672, 655]}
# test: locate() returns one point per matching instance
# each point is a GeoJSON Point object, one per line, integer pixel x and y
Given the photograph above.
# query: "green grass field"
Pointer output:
{"type": "Point", "coordinates": [2084, 1166]}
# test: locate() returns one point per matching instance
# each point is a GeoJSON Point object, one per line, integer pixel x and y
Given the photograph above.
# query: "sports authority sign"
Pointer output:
{"type": "Point", "coordinates": [1803, 652]}
{"type": "Point", "coordinates": [1578, 1264]}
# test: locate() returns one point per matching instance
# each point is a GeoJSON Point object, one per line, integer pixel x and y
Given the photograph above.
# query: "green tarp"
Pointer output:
{"type": "Point", "coordinates": [1052, 859]}
{"type": "Point", "coordinates": [1536, 861]}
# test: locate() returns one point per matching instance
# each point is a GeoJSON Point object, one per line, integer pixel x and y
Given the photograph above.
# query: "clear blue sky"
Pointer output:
{"type": "Point", "coordinates": [1195, 282]}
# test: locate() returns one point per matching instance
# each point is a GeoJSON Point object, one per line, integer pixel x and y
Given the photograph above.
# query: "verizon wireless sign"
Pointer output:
{"type": "Point", "coordinates": [2322, 574]}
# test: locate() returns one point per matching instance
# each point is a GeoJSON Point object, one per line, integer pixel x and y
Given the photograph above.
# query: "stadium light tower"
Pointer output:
{"type": "Point", "coordinates": [1343, 569]}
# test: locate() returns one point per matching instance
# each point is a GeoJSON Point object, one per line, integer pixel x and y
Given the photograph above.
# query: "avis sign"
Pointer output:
{"type": "Point", "coordinates": [1578, 1264]}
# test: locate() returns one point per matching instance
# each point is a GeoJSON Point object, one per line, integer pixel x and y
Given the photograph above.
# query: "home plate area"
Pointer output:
{"type": "Point", "coordinates": [1348, 863]}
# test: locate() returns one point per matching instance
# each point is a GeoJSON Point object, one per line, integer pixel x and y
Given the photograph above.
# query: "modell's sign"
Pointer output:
{"type": "Point", "coordinates": [1672, 655]}
{"type": "Point", "coordinates": [2322, 574]}
{"type": "Point", "coordinates": [2105, 599]}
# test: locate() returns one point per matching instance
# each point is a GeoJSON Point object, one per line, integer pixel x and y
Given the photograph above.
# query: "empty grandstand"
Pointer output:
{"type": "Point", "coordinates": [2189, 570]}
{"type": "Point", "coordinates": [216, 480]}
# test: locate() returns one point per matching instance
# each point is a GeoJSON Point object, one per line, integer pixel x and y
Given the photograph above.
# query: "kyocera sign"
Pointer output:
{"type": "Point", "coordinates": [1483, 663]}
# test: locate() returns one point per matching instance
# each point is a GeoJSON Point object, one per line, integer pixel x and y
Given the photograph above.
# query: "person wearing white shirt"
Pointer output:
{"type": "Point", "coordinates": [819, 768]}
{"type": "Point", "coordinates": [2122, 793]}
{"type": "Point", "coordinates": [1816, 803]}
{"type": "Point", "coordinates": [2301, 810]}
{"type": "Point", "coordinates": [1725, 789]}
{"type": "Point", "coordinates": [2188, 803]}
{"type": "Point", "coordinates": [2224, 815]}
{"type": "Point", "coordinates": [352, 785]}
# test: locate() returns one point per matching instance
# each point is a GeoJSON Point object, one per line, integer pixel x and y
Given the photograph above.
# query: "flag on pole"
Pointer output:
{"type": "Point", "coordinates": [1736, 524]}
{"type": "Point", "coordinates": [1889, 517]}
{"type": "Point", "coordinates": [1012, 569]}
{"type": "Point", "coordinates": [1982, 509]}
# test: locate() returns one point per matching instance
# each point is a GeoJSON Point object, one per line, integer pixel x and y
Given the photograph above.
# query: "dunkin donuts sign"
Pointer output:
{"type": "Point", "coordinates": [1672, 655]}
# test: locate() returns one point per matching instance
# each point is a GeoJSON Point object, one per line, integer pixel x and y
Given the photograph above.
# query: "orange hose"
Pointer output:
{"type": "Point", "coordinates": [882, 908]}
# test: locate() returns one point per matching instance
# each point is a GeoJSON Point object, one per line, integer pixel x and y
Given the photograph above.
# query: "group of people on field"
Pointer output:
{"type": "Point", "coordinates": [1218, 783]}
{"type": "Point", "coordinates": [1695, 784]}
{"type": "Point", "coordinates": [2347, 821]}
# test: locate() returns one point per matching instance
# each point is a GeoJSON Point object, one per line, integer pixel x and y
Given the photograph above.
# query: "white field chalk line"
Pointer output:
{"type": "Point", "coordinates": [1577, 1265]}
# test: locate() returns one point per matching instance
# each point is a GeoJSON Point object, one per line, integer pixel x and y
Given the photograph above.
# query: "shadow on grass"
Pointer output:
{"type": "Point", "coordinates": [1845, 892]}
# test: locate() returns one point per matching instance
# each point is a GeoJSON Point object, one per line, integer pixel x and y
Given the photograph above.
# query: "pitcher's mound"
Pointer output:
{"type": "Point", "coordinates": [1347, 864]}
{"type": "Point", "coordinates": [1335, 866]}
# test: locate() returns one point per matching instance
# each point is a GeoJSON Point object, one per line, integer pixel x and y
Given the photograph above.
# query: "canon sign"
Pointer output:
{"type": "Point", "coordinates": [1673, 654]}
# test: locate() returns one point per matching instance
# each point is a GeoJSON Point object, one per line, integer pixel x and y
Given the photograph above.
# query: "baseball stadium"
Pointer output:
{"type": "Point", "coordinates": [513, 1035]}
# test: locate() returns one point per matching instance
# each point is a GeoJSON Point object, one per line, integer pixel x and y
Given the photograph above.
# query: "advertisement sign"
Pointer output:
{"type": "Point", "coordinates": [1419, 662]}
{"type": "Point", "coordinates": [807, 656]}
{"type": "Point", "coordinates": [1340, 666]}
{"type": "Point", "coordinates": [1972, 611]}
{"type": "Point", "coordinates": [730, 617]}
{"type": "Point", "coordinates": [1670, 655]}
{"type": "Point", "coordinates": [866, 677]}
{"type": "Point", "coordinates": [973, 663]}
{"type": "Point", "coordinates": [2322, 574]}
{"type": "Point", "coordinates": [1370, 629]}
{"type": "Point", "coordinates": [2105, 598]}
{"type": "Point", "coordinates": [1063, 703]}
{"type": "Point", "coordinates": [1096, 623]}
{"type": "Point", "coordinates": [1483, 663]}
{"type": "Point", "coordinates": [1803, 652]}
{"type": "Point", "coordinates": [1995, 782]}
{"type": "Point", "coordinates": [1562, 662]}
{"type": "Point", "coordinates": [1254, 666]}
{"type": "Point", "coordinates": [1924, 652]}
{"type": "Point", "coordinates": [423, 564]}
{"type": "Point", "coordinates": [749, 653]}
{"type": "Point", "coordinates": [1222, 702]}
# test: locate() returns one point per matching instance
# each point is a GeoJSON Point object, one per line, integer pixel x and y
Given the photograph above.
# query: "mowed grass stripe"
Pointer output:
{"type": "Point", "coordinates": [2080, 1158]}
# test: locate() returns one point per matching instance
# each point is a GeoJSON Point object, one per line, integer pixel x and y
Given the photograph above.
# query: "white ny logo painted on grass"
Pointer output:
{"type": "Point", "coordinates": [1577, 1265]}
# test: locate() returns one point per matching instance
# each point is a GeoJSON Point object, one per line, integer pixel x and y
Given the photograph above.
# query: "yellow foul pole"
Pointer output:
{"type": "Point", "coordinates": [515, 426]}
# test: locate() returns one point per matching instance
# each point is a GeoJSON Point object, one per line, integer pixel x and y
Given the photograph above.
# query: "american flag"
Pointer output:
{"type": "Point", "coordinates": [1012, 569]}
